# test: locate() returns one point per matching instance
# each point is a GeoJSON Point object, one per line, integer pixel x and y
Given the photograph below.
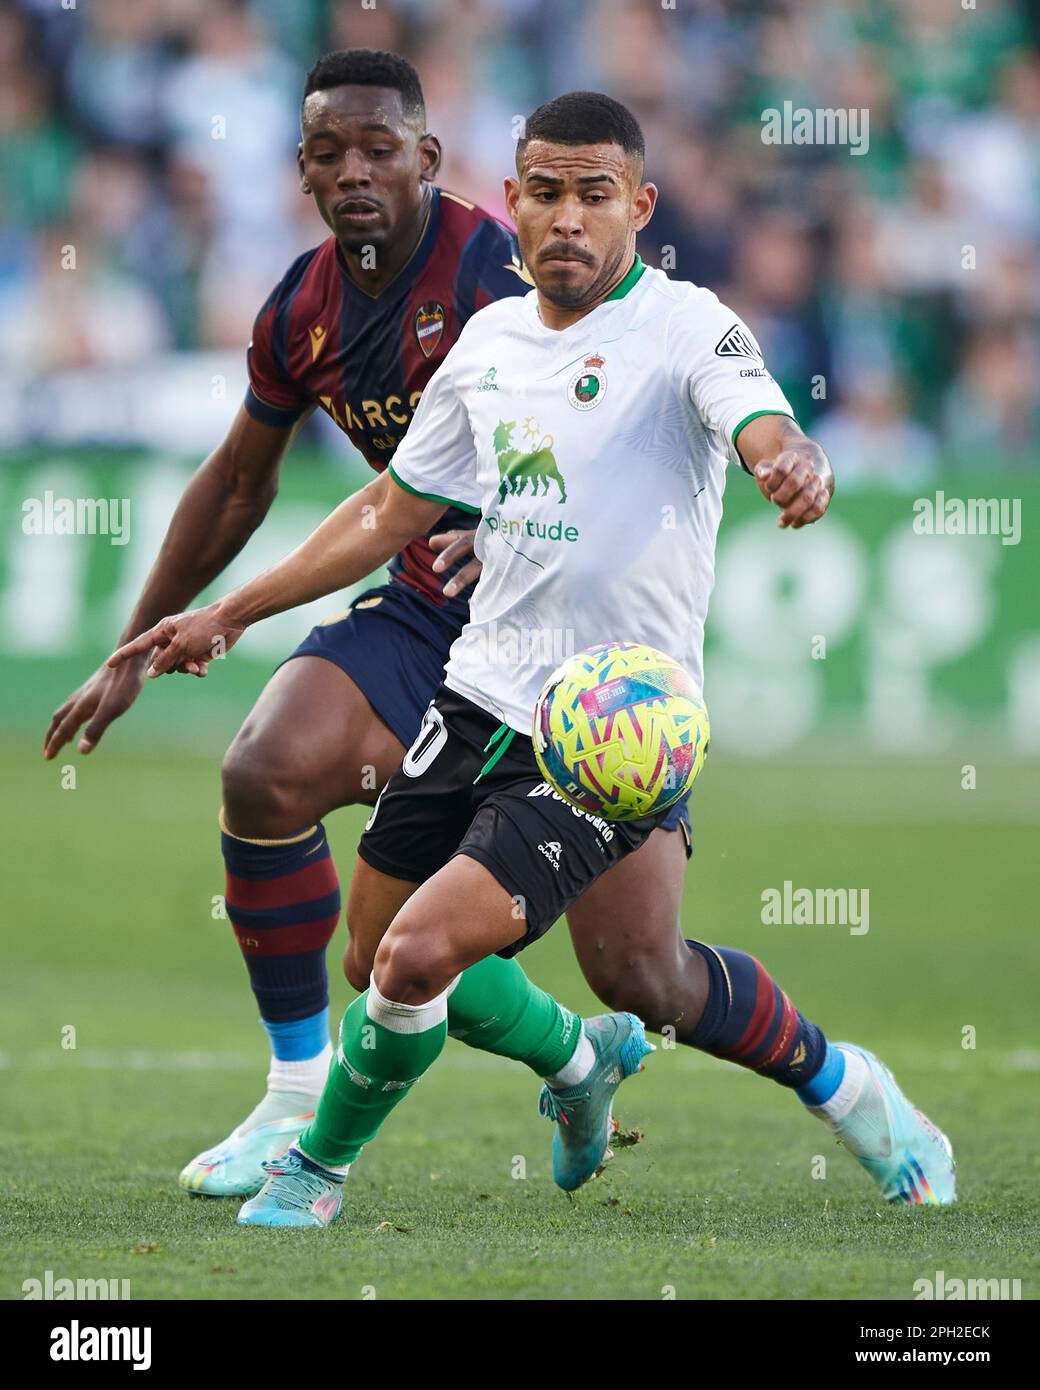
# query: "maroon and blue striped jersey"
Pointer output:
{"type": "Point", "coordinates": [365, 360]}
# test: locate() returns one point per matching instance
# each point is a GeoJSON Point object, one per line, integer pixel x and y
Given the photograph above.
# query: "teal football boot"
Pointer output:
{"type": "Point", "coordinates": [909, 1158]}
{"type": "Point", "coordinates": [297, 1193]}
{"type": "Point", "coordinates": [583, 1113]}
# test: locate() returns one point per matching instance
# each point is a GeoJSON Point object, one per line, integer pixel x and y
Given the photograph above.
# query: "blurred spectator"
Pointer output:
{"type": "Point", "coordinates": [775, 289]}
{"type": "Point", "coordinates": [873, 438]}
{"type": "Point", "coordinates": [158, 137]}
{"type": "Point", "coordinates": [116, 74]}
{"type": "Point", "coordinates": [992, 409]}
{"type": "Point", "coordinates": [992, 159]}
{"type": "Point", "coordinates": [231, 113]}
{"type": "Point", "coordinates": [78, 310]}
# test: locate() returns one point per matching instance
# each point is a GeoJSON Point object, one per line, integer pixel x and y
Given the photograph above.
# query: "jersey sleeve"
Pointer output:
{"type": "Point", "coordinates": [437, 458]}
{"type": "Point", "coordinates": [272, 397]}
{"type": "Point", "coordinates": [721, 370]}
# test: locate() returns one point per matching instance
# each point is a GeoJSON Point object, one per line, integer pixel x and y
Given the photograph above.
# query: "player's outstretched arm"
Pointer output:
{"type": "Point", "coordinates": [226, 500]}
{"type": "Point", "coordinates": [791, 470]}
{"type": "Point", "coordinates": [361, 534]}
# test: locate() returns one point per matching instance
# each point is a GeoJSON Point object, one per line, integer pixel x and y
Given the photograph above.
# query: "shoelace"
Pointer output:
{"type": "Point", "coordinates": [553, 1108]}
{"type": "Point", "coordinates": [294, 1187]}
{"type": "Point", "coordinates": [550, 1107]}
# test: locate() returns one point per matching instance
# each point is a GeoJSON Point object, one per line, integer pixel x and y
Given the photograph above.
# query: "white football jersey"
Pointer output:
{"type": "Point", "coordinates": [596, 458]}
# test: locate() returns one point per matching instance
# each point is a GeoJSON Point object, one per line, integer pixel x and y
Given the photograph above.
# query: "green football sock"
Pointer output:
{"type": "Point", "coordinates": [384, 1049]}
{"type": "Point", "coordinates": [496, 1008]}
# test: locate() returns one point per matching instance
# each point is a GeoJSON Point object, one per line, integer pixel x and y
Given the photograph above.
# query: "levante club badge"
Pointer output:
{"type": "Point", "coordinates": [429, 326]}
{"type": "Point", "coordinates": [587, 387]}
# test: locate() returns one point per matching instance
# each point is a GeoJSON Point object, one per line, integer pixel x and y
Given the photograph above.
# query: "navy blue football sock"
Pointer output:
{"type": "Point", "coordinates": [748, 1019]}
{"type": "Point", "coordinates": [283, 900]}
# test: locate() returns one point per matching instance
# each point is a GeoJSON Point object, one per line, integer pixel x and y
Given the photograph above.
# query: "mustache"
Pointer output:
{"type": "Point", "coordinates": [562, 251]}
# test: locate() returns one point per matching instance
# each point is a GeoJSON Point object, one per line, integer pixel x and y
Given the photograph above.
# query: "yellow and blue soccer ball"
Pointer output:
{"type": "Point", "coordinates": [620, 730]}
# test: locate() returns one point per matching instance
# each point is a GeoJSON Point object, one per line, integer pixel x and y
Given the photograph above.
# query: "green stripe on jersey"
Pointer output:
{"type": "Point", "coordinates": [747, 421]}
{"type": "Point", "coordinates": [431, 496]}
{"type": "Point", "coordinates": [754, 416]}
{"type": "Point", "coordinates": [623, 286]}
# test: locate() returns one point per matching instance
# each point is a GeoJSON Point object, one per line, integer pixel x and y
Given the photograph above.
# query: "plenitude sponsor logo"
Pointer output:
{"type": "Point", "coordinates": [518, 526]}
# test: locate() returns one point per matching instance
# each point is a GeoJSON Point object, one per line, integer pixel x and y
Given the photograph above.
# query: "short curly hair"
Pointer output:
{"type": "Point", "coordinates": [369, 67]}
{"type": "Point", "coordinates": [584, 118]}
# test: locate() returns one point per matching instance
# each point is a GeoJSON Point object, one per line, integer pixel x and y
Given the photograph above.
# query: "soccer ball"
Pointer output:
{"type": "Point", "coordinates": [620, 730]}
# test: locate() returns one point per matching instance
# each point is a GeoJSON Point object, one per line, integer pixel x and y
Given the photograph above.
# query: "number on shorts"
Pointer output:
{"type": "Point", "coordinates": [431, 739]}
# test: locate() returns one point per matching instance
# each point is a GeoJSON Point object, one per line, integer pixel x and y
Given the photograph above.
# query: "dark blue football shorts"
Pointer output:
{"type": "Point", "coordinates": [393, 643]}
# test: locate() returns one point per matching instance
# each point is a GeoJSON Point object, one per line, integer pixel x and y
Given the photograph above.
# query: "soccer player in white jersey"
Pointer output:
{"type": "Point", "coordinates": [573, 421]}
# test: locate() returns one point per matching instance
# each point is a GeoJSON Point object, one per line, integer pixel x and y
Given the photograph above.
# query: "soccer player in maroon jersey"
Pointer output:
{"type": "Point", "coordinates": [356, 327]}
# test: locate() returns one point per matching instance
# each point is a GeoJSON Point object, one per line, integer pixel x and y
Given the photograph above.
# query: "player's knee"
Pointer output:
{"type": "Point", "coordinates": [264, 793]}
{"type": "Point", "coordinates": [413, 962]}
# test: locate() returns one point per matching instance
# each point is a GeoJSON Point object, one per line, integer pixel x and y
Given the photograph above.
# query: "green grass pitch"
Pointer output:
{"type": "Point", "coordinates": [108, 932]}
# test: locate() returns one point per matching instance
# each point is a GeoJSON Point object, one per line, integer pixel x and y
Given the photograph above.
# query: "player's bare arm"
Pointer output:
{"type": "Point", "coordinates": [791, 470]}
{"type": "Point", "coordinates": [360, 535]}
{"type": "Point", "coordinates": [226, 500]}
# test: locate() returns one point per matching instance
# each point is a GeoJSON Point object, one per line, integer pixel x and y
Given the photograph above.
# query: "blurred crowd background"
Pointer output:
{"type": "Point", "coordinates": [896, 294]}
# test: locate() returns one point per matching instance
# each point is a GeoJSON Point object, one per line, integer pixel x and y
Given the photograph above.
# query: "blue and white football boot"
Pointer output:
{"type": "Point", "coordinates": [297, 1193]}
{"type": "Point", "coordinates": [583, 1113]}
{"type": "Point", "coordinates": [234, 1168]}
{"type": "Point", "coordinates": [909, 1158]}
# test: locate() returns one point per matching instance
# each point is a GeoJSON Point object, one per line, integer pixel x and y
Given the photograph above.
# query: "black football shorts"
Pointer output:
{"type": "Point", "coordinates": [470, 786]}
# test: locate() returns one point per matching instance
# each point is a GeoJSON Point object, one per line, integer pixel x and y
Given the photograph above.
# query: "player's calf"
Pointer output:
{"type": "Point", "coordinates": [666, 989]}
{"type": "Point", "coordinates": [300, 753]}
{"type": "Point", "coordinates": [283, 899]}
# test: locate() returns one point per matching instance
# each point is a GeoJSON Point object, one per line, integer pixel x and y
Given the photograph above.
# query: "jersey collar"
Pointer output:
{"type": "Point", "coordinates": [622, 288]}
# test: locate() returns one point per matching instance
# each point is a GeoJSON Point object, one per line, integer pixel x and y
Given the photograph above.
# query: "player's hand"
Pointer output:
{"type": "Point", "coordinates": [452, 546]}
{"type": "Point", "coordinates": [98, 701]}
{"type": "Point", "coordinates": [791, 482]}
{"type": "Point", "coordinates": [186, 642]}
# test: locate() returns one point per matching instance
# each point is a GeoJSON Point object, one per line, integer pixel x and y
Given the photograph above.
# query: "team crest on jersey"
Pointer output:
{"type": "Point", "coordinates": [738, 343]}
{"type": "Point", "coordinates": [429, 326]}
{"type": "Point", "coordinates": [587, 387]}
